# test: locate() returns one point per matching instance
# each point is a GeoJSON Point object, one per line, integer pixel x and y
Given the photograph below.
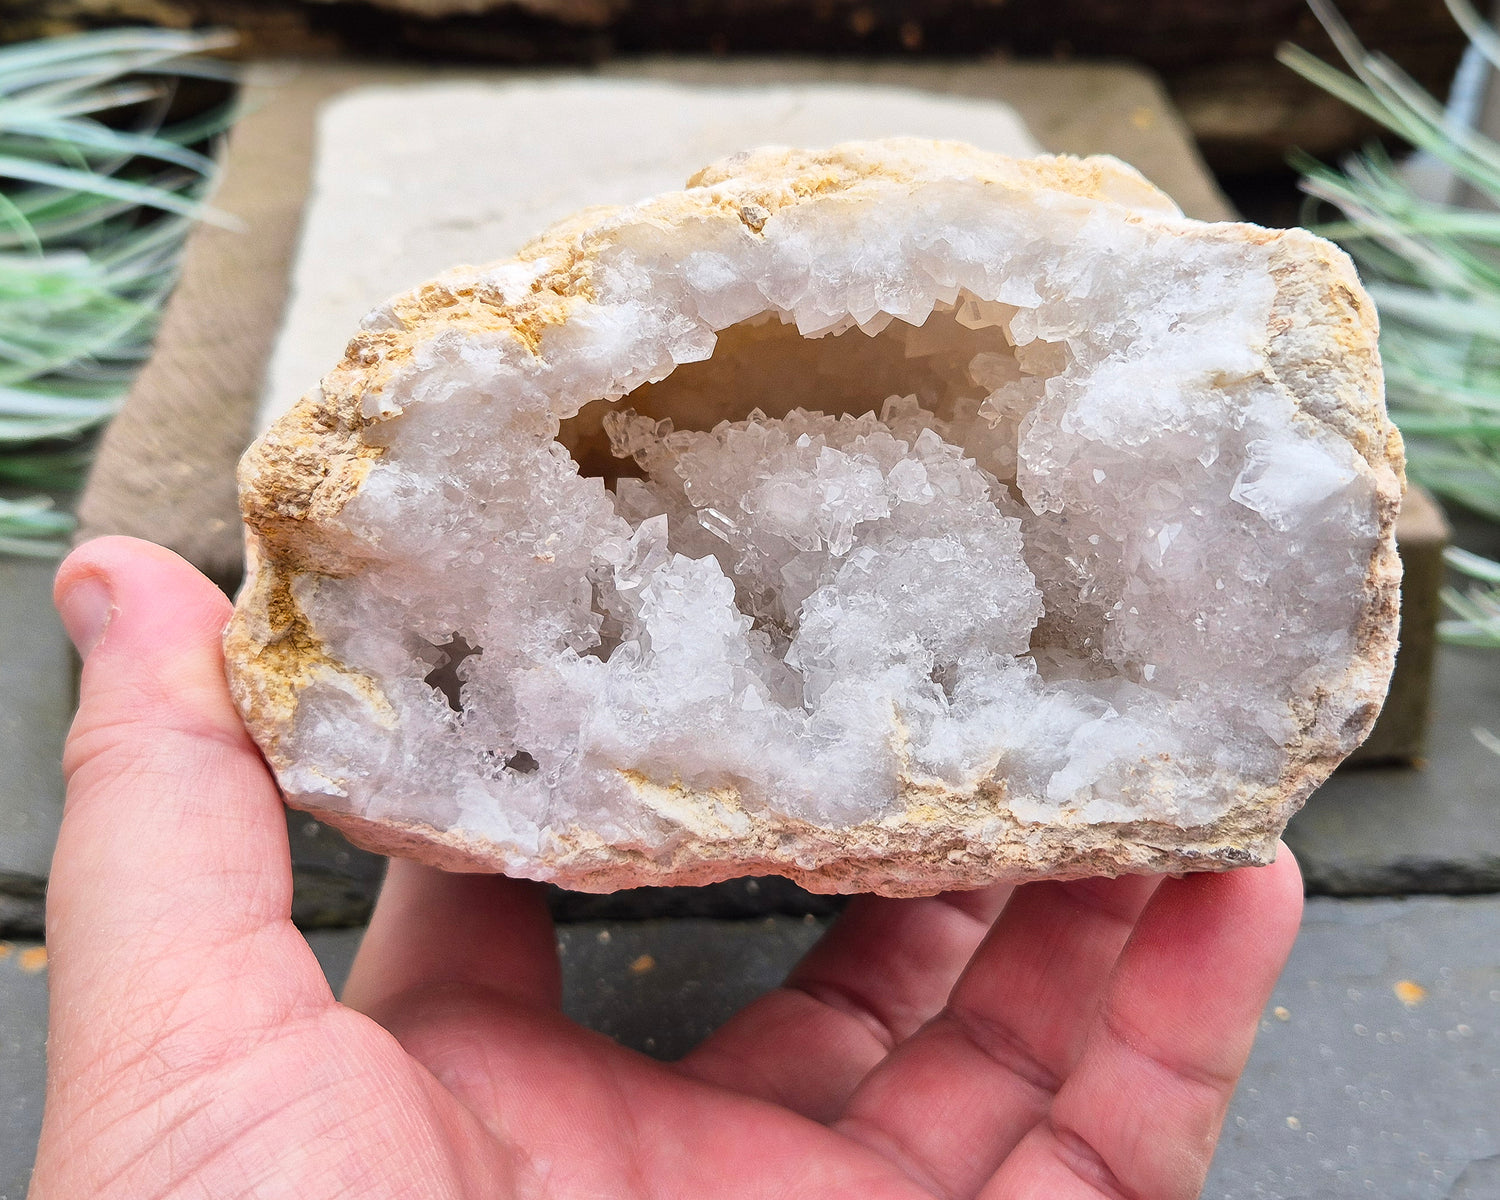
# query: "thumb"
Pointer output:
{"type": "Point", "coordinates": [170, 898]}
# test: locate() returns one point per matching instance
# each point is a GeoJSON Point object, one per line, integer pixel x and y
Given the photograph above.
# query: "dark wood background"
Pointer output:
{"type": "Point", "coordinates": [1216, 56]}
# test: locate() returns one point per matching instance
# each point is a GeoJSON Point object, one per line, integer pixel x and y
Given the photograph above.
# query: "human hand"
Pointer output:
{"type": "Point", "coordinates": [1058, 1040]}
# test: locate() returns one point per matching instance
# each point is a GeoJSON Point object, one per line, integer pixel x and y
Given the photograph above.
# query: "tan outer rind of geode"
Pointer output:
{"type": "Point", "coordinates": [1320, 347]}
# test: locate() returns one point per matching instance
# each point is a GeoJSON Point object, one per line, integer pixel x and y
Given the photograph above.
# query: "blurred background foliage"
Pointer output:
{"type": "Point", "coordinates": [100, 181]}
{"type": "Point", "coordinates": [1425, 234]}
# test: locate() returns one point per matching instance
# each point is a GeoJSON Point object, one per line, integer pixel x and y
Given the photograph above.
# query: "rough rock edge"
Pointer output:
{"type": "Point", "coordinates": [1321, 347]}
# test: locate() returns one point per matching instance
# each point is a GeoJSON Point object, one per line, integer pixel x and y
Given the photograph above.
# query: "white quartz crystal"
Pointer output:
{"type": "Point", "coordinates": [802, 517]}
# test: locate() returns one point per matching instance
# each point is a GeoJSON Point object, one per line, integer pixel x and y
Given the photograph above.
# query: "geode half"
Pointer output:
{"type": "Point", "coordinates": [896, 517]}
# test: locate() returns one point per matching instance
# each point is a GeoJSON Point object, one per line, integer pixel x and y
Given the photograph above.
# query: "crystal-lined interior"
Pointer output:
{"type": "Point", "coordinates": [1055, 537]}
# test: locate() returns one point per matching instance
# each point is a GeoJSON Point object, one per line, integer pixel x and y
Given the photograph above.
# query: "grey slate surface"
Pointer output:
{"type": "Point", "coordinates": [1351, 1091]}
{"type": "Point", "coordinates": [23, 1044]}
{"type": "Point", "coordinates": [35, 709]}
{"type": "Point", "coordinates": [334, 884]}
{"type": "Point", "coordinates": [1394, 830]}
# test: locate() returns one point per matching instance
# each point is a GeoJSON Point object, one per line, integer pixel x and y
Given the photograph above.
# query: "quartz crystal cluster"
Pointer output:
{"type": "Point", "coordinates": [894, 517]}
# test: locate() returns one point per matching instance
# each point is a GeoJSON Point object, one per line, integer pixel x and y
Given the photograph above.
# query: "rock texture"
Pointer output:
{"type": "Point", "coordinates": [897, 517]}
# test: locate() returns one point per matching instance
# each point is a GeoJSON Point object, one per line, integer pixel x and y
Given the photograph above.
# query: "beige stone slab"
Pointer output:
{"type": "Point", "coordinates": [1070, 108]}
{"type": "Point", "coordinates": [411, 180]}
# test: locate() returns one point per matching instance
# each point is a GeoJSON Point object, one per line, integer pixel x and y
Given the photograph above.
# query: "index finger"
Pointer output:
{"type": "Point", "coordinates": [875, 978]}
{"type": "Point", "coordinates": [1140, 1114]}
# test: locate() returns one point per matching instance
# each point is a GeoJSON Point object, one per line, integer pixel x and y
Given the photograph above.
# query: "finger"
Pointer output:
{"type": "Point", "coordinates": [875, 978]}
{"type": "Point", "coordinates": [956, 1098]}
{"type": "Point", "coordinates": [433, 928]}
{"type": "Point", "coordinates": [1140, 1114]}
{"type": "Point", "coordinates": [170, 896]}
{"type": "Point", "coordinates": [601, 1121]}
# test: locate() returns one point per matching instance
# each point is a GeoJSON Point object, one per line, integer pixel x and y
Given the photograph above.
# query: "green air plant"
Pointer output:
{"type": "Point", "coordinates": [1477, 622]}
{"type": "Point", "coordinates": [97, 193]}
{"type": "Point", "coordinates": [1433, 269]}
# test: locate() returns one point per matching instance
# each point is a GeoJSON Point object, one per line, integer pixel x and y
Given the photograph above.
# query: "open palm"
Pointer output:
{"type": "Point", "coordinates": [1057, 1040]}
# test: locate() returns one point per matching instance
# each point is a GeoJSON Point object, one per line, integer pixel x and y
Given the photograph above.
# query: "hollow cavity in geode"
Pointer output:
{"type": "Point", "coordinates": [1001, 503]}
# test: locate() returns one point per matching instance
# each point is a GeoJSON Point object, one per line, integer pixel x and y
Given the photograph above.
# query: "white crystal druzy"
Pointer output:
{"type": "Point", "coordinates": [896, 517]}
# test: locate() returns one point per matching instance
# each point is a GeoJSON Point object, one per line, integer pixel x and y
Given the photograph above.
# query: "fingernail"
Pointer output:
{"type": "Point", "coordinates": [85, 609]}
